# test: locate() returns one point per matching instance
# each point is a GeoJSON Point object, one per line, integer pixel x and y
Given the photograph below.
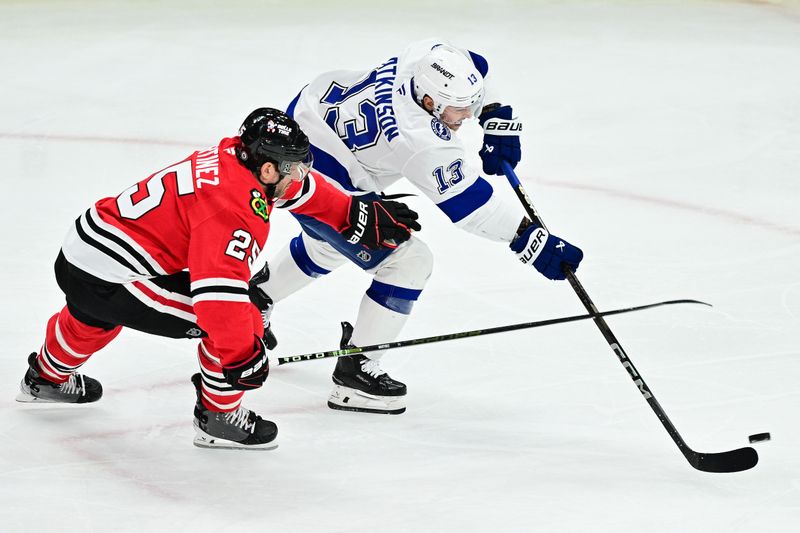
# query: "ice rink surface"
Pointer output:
{"type": "Point", "coordinates": [661, 137]}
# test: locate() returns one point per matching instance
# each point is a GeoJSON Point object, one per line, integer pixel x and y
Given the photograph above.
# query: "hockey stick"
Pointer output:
{"type": "Point", "coordinates": [730, 461]}
{"type": "Point", "coordinates": [472, 333]}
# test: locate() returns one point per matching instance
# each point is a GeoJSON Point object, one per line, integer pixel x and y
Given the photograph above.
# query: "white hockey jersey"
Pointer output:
{"type": "Point", "coordinates": [367, 131]}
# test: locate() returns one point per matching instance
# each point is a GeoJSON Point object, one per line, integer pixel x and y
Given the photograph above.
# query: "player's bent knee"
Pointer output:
{"type": "Point", "coordinates": [409, 266]}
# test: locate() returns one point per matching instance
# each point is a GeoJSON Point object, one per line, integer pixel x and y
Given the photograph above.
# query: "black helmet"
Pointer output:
{"type": "Point", "coordinates": [269, 135]}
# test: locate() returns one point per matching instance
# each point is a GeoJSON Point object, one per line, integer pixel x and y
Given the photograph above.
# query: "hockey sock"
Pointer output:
{"type": "Point", "coordinates": [68, 344]}
{"type": "Point", "coordinates": [376, 323]}
{"type": "Point", "coordinates": [216, 393]}
{"type": "Point", "coordinates": [291, 270]}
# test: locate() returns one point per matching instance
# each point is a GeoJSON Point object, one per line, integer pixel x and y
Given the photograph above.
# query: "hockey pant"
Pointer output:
{"type": "Point", "coordinates": [399, 277]}
{"type": "Point", "coordinates": [96, 311]}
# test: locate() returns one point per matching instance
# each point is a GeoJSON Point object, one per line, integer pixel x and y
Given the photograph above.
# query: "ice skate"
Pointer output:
{"type": "Point", "coordinates": [361, 385]}
{"type": "Point", "coordinates": [77, 389]}
{"type": "Point", "coordinates": [241, 429]}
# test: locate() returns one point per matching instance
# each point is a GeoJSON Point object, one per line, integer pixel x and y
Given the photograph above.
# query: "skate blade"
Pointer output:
{"type": "Point", "coordinates": [204, 440]}
{"type": "Point", "coordinates": [25, 397]}
{"type": "Point", "coordinates": [347, 399]}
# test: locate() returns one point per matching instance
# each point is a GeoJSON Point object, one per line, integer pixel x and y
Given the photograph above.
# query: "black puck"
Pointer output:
{"type": "Point", "coordinates": [758, 437]}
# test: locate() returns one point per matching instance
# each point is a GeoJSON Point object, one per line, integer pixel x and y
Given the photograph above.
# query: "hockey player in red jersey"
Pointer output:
{"type": "Point", "coordinates": [172, 256]}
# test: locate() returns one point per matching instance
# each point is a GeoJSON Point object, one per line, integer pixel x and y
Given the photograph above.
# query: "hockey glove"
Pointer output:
{"type": "Point", "coordinates": [250, 373]}
{"type": "Point", "coordinates": [500, 138]}
{"type": "Point", "coordinates": [379, 223]}
{"type": "Point", "coordinates": [546, 252]}
{"type": "Point", "coordinates": [264, 304]}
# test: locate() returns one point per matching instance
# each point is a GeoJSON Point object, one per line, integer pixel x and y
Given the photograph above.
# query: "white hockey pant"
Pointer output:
{"type": "Point", "coordinates": [397, 283]}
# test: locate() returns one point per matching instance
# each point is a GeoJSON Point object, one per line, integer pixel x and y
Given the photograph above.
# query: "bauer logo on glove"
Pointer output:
{"type": "Point", "coordinates": [377, 223]}
{"type": "Point", "coordinates": [531, 252]}
{"type": "Point", "coordinates": [501, 131]}
{"type": "Point", "coordinates": [546, 252]}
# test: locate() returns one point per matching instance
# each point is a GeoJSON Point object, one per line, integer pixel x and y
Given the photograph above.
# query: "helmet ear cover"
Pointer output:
{"type": "Point", "coordinates": [449, 78]}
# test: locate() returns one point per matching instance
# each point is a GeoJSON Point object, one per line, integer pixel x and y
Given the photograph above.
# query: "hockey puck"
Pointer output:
{"type": "Point", "coordinates": [758, 437]}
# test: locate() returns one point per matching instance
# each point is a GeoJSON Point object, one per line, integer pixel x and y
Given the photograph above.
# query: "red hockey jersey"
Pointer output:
{"type": "Point", "coordinates": [207, 214]}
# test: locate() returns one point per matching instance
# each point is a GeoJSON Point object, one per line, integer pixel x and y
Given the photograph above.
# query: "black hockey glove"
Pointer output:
{"type": "Point", "coordinates": [264, 304]}
{"type": "Point", "coordinates": [379, 223]}
{"type": "Point", "coordinates": [250, 373]}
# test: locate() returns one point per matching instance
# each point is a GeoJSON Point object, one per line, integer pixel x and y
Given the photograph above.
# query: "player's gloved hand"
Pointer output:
{"type": "Point", "coordinates": [379, 223]}
{"type": "Point", "coordinates": [250, 373]}
{"type": "Point", "coordinates": [264, 303]}
{"type": "Point", "coordinates": [545, 252]}
{"type": "Point", "coordinates": [500, 138]}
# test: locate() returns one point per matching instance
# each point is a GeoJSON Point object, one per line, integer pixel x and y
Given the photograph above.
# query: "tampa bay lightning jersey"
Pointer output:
{"type": "Point", "coordinates": [367, 131]}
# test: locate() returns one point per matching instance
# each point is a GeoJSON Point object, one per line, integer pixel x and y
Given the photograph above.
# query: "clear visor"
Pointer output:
{"type": "Point", "coordinates": [297, 170]}
{"type": "Point", "coordinates": [456, 115]}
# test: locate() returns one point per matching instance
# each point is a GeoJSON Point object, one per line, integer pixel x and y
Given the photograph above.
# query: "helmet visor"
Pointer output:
{"type": "Point", "coordinates": [297, 170]}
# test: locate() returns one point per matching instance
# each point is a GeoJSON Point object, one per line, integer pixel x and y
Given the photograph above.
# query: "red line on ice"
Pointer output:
{"type": "Point", "coordinates": [676, 204]}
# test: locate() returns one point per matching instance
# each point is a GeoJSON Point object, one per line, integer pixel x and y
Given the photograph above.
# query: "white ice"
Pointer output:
{"type": "Point", "coordinates": [661, 137]}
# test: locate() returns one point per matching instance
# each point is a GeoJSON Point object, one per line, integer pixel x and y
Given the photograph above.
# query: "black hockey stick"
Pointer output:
{"type": "Point", "coordinates": [472, 333]}
{"type": "Point", "coordinates": [730, 461]}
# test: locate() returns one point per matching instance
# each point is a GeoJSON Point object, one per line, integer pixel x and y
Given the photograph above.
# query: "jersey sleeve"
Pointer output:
{"type": "Point", "coordinates": [444, 175]}
{"type": "Point", "coordinates": [317, 198]}
{"type": "Point", "coordinates": [219, 252]}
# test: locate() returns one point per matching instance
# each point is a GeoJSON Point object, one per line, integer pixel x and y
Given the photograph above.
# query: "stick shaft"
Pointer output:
{"type": "Point", "coordinates": [472, 333]}
{"type": "Point", "coordinates": [733, 461]}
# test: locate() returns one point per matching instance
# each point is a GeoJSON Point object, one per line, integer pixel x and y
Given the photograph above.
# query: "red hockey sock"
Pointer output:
{"type": "Point", "coordinates": [68, 344]}
{"type": "Point", "coordinates": [216, 395]}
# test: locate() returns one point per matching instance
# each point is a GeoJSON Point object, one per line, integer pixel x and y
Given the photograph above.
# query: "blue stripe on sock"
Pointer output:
{"type": "Point", "coordinates": [397, 299]}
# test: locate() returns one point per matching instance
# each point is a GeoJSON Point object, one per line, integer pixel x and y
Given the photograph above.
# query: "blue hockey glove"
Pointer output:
{"type": "Point", "coordinates": [500, 138]}
{"type": "Point", "coordinates": [546, 252]}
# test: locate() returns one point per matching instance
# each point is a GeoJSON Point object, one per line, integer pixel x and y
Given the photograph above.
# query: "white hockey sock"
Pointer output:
{"type": "Point", "coordinates": [285, 277]}
{"type": "Point", "coordinates": [376, 324]}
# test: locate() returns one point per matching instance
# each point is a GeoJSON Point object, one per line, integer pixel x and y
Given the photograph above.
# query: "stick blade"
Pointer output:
{"type": "Point", "coordinates": [732, 461]}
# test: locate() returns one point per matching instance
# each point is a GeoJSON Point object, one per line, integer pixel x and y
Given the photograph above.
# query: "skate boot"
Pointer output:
{"type": "Point", "coordinates": [361, 385]}
{"type": "Point", "coordinates": [241, 429]}
{"type": "Point", "coordinates": [77, 389]}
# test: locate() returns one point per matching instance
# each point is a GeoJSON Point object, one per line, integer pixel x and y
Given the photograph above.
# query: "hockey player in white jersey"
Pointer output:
{"type": "Point", "coordinates": [369, 129]}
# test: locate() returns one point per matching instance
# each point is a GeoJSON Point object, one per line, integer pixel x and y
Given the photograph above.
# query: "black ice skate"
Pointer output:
{"type": "Point", "coordinates": [241, 429]}
{"type": "Point", "coordinates": [77, 389]}
{"type": "Point", "coordinates": [361, 385]}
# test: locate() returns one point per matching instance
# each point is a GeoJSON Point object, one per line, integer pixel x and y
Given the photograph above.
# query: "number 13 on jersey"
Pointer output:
{"type": "Point", "coordinates": [448, 176]}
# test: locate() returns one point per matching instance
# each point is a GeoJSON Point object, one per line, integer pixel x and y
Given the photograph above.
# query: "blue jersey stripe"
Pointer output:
{"type": "Point", "coordinates": [293, 104]}
{"type": "Point", "coordinates": [328, 165]}
{"type": "Point", "coordinates": [466, 202]}
{"type": "Point", "coordinates": [323, 161]}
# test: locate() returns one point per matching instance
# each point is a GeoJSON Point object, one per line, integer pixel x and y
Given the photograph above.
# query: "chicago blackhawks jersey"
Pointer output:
{"type": "Point", "coordinates": [208, 214]}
